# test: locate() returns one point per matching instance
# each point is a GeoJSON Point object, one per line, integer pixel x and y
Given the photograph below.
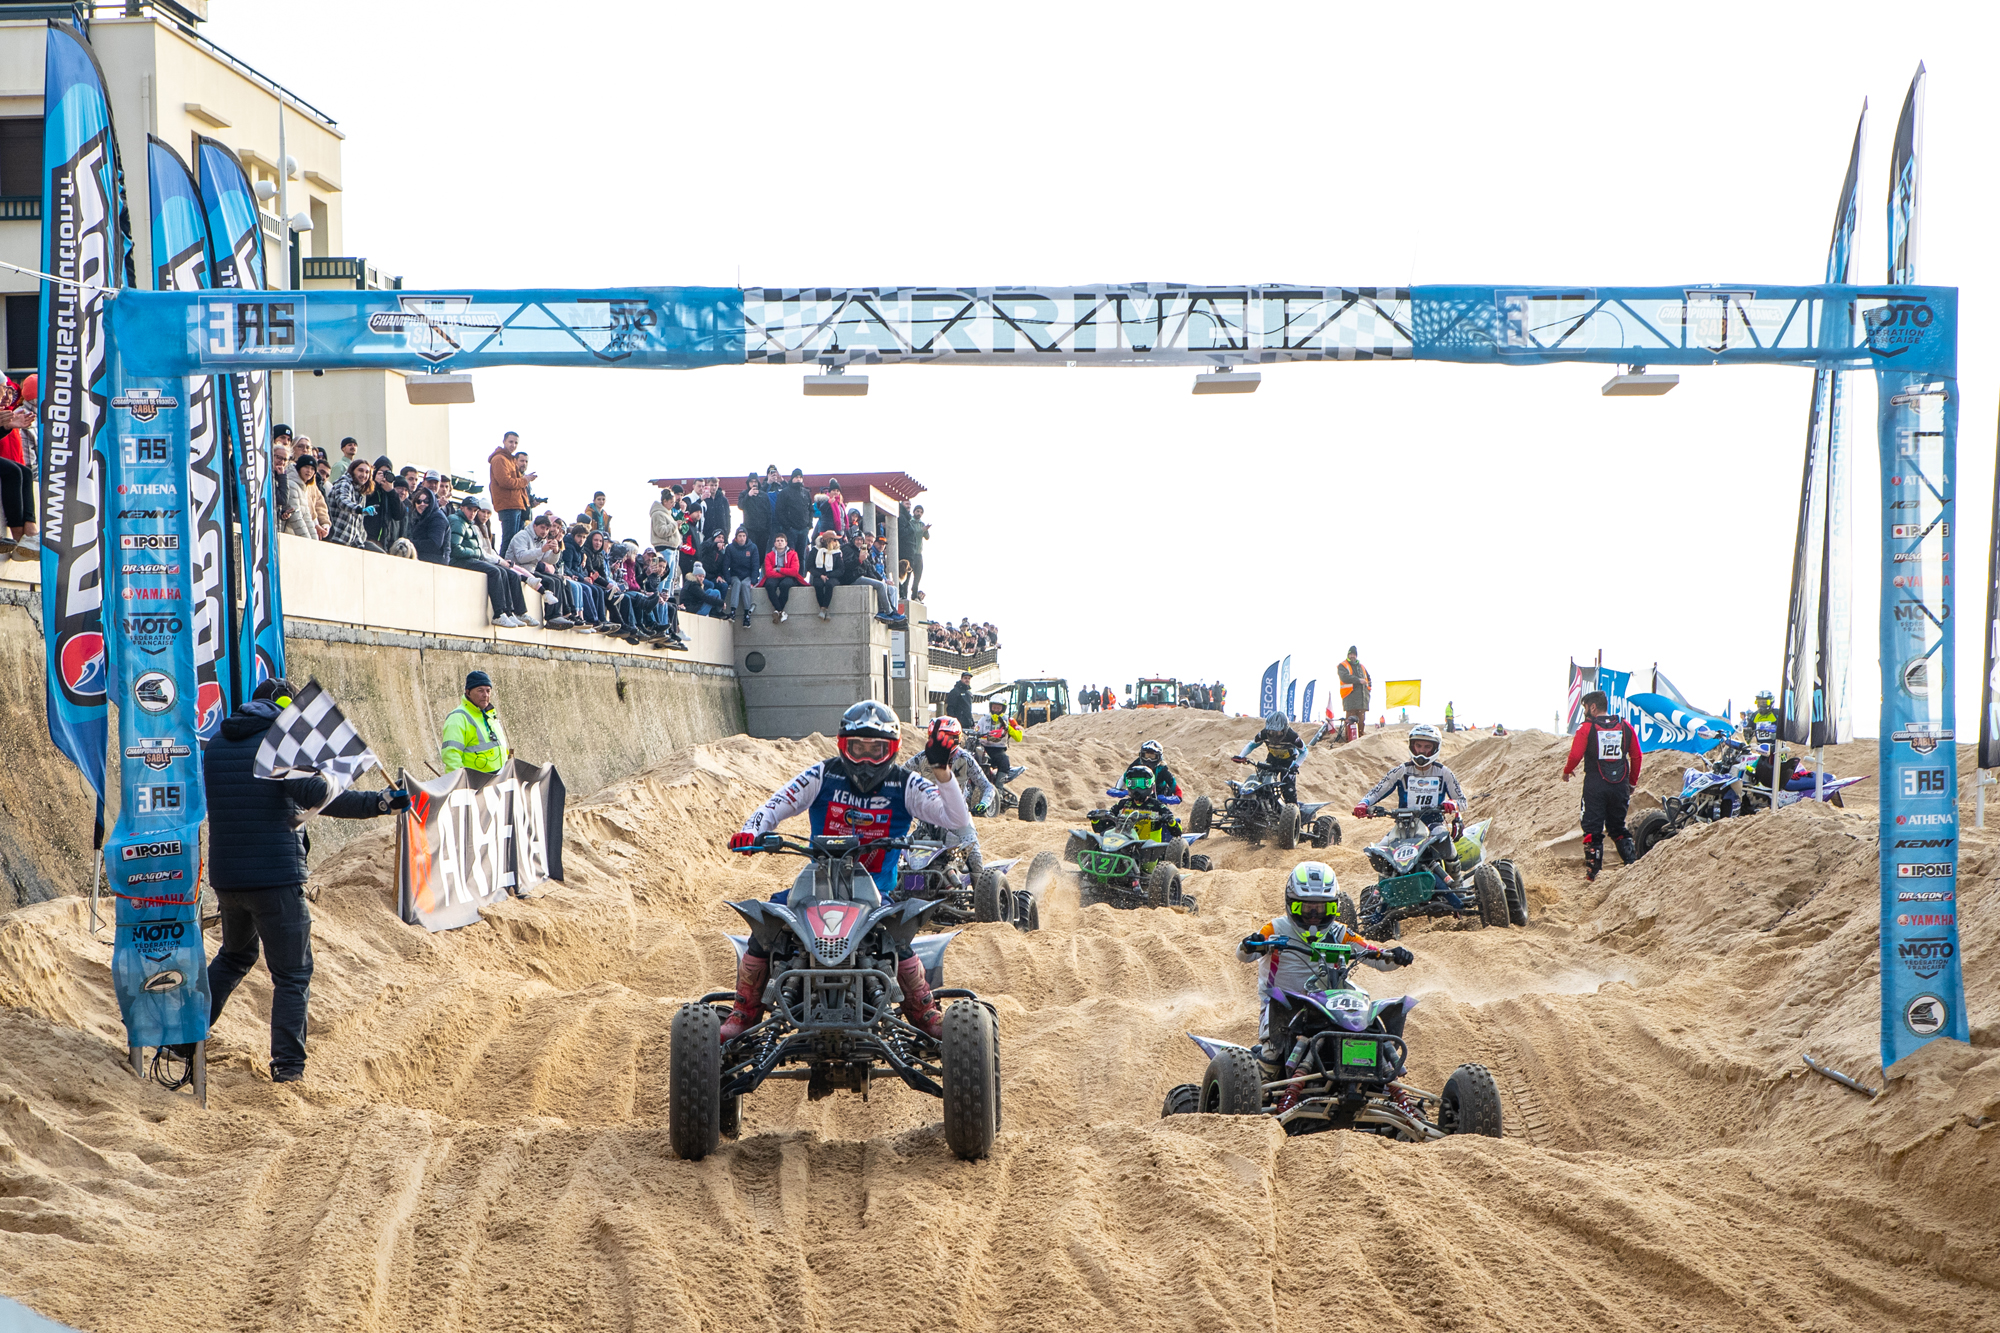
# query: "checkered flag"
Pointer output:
{"type": "Point", "coordinates": [310, 737]}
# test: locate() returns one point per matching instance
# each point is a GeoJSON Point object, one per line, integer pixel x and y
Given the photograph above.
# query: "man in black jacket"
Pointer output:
{"type": "Point", "coordinates": [795, 510]}
{"type": "Point", "coordinates": [958, 703]}
{"type": "Point", "coordinates": [257, 867]}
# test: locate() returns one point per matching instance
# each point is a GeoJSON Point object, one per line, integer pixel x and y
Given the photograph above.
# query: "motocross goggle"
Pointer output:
{"type": "Point", "coordinates": [868, 749]}
{"type": "Point", "coordinates": [1310, 911]}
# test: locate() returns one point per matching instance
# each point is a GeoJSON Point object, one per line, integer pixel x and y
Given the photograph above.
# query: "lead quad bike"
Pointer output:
{"type": "Point", "coordinates": [965, 887]}
{"type": "Point", "coordinates": [1131, 861]}
{"type": "Point", "coordinates": [1411, 862]}
{"type": "Point", "coordinates": [1256, 809]}
{"type": "Point", "coordinates": [830, 1009]}
{"type": "Point", "coordinates": [1344, 1075]}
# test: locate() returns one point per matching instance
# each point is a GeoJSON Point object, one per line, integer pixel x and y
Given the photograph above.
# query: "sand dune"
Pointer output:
{"type": "Point", "coordinates": [480, 1143]}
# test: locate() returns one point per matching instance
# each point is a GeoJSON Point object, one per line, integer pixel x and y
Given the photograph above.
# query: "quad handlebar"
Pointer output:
{"type": "Point", "coordinates": [829, 847]}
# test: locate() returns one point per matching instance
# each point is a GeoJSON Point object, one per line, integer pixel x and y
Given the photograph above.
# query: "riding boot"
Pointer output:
{"type": "Point", "coordinates": [1627, 851]}
{"type": "Point", "coordinates": [751, 974]}
{"type": "Point", "coordinates": [1593, 856]}
{"type": "Point", "coordinates": [919, 1009]}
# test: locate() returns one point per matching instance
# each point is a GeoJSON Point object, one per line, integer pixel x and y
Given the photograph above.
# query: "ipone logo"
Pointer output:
{"type": "Point", "coordinates": [142, 851]}
{"type": "Point", "coordinates": [148, 541]}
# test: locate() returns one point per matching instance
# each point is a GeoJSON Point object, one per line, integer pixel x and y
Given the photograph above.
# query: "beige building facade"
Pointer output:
{"type": "Point", "coordinates": [165, 79]}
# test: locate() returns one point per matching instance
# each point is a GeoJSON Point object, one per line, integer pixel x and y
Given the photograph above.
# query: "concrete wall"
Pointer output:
{"type": "Point", "coordinates": [597, 709]}
{"type": "Point", "coordinates": [800, 676]}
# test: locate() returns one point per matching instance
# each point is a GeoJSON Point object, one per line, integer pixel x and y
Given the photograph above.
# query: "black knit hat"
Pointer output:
{"type": "Point", "coordinates": [474, 679]}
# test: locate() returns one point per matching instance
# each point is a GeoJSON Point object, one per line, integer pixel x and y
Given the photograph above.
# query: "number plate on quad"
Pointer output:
{"type": "Point", "coordinates": [1360, 1053]}
{"type": "Point", "coordinates": [1407, 890]}
{"type": "Point", "coordinates": [1106, 865]}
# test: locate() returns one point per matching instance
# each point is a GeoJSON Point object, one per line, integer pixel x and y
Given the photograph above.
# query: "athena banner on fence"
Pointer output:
{"type": "Point", "coordinates": [469, 839]}
{"type": "Point", "coordinates": [84, 243]}
{"type": "Point", "coordinates": [236, 259]}
{"type": "Point", "coordinates": [180, 263]}
{"type": "Point", "coordinates": [1923, 990]}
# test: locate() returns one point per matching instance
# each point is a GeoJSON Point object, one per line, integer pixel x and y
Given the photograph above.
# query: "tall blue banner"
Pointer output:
{"type": "Point", "coordinates": [153, 857]}
{"type": "Point", "coordinates": [84, 243]}
{"type": "Point", "coordinates": [1291, 698]}
{"type": "Point", "coordinates": [1923, 990]}
{"type": "Point", "coordinates": [1306, 709]}
{"type": "Point", "coordinates": [1285, 682]}
{"type": "Point", "coordinates": [236, 257]}
{"type": "Point", "coordinates": [1267, 692]}
{"type": "Point", "coordinates": [180, 263]}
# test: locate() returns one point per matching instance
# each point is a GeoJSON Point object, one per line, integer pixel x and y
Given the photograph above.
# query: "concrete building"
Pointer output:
{"type": "Point", "coordinates": [166, 79]}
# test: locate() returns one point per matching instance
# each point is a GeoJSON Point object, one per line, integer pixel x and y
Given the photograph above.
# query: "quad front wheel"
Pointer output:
{"type": "Point", "coordinates": [1326, 831]}
{"type": "Point", "coordinates": [1649, 830]}
{"type": "Point", "coordinates": [1232, 1084]}
{"type": "Point", "coordinates": [1491, 896]}
{"type": "Point", "coordinates": [1517, 892]}
{"type": "Point", "coordinates": [1345, 912]}
{"type": "Point", "coordinates": [988, 891]}
{"type": "Point", "coordinates": [1182, 1099]}
{"type": "Point", "coordinates": [1288, 826]}
{"type": "Point", "coordinates": [694, 1082]}
{"type": "Point", "coordinates": [1470, 1103]}
{"type": "Point", "coordinates": [1200, 815]}
{"type": "Point", "coordinates": [1376, 923]}
{"type": "Point", "coordinates": [971, 1056]}
{"type": "Point", "coordinates": [1163, 885]}
{"type": "Point", "coordinates": [1034, 806]}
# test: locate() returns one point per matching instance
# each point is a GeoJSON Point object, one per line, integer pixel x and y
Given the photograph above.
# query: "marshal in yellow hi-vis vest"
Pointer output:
{"type": "Point", "coordinates": [473, 737]}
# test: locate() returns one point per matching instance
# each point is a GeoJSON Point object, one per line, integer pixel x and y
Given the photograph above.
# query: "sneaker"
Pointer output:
{"type": "Point", "coordinates": [505, 621]}
{"type": "Point", "coordinates": [783, 616]}
{"type": "Point", "coordinates": [560, 622]}
{"type": "Point", "coordinates": [776, 616]}
{"type": "Point", "coordinates": [287, 1075]}
{"type": "Point", "coordinates": [824, 616]}
{"type": "Point", "coordinates": [746, 620]}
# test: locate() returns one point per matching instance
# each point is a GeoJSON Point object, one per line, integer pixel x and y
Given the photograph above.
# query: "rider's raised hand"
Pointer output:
{"type": "Point", "coordinates": [743, 841]}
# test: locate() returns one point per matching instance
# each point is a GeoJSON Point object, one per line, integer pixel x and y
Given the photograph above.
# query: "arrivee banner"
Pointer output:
{"type": "Point", "coordinates": [468, 839]}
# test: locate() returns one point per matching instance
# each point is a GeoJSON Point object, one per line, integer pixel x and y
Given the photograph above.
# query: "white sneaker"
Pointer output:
{"type": "Point", "coordinates": [783, 616]}
{"type": "Point", "coordinates": [510, 622]}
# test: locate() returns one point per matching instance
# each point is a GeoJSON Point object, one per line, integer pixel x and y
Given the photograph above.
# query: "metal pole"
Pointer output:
{"type": "Point", "coordinates": [285, 238]}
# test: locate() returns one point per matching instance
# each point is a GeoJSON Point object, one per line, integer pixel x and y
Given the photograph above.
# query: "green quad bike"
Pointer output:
{"type": "Point", "coordinates": [1413, 883]}
{"type": "Point", "coordinates": [1349, 1062]}
{"type": "Point", "coordinates": [1127, 860]}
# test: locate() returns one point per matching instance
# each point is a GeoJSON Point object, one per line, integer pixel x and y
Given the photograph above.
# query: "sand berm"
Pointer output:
{"type": "Point", "coordinates": [481, 1142]}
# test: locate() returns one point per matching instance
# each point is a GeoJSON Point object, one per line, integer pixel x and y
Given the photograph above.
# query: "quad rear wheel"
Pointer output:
{"type": "Point", "coordinates": [971, 1056]}
{"type": "Point", "coordinates": [1163, 885]}
{"type": "Point", "coordinates": [1182, 1099]}
{"type": "Point", "coordinates": [694, 1082]}
{"type": "Point", "coordinates": [1288, 826]}
{"type": "Point", "coordinates": [1517, 892]}
{"type": "Point", "coordinates": [1491, 896]}
{"type": "Point", "coordinates": [1232, 1084]}
{"type": "Point", "coordinates": [1200, 815]}
{"type": "Point", "coordinates": [1649, 830]}
{"type": "Point", "coordinates": [1326, 831]}
{"type": "Point", "coordinates": [989, 892]}
{"type": "Point", "coordinates": [1470, 1103]}
{"type": "Point", "coordinates": [1034, 806]}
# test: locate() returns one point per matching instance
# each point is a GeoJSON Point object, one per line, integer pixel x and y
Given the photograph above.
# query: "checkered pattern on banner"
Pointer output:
{"type": "Point", "coordinates": [311, 736]}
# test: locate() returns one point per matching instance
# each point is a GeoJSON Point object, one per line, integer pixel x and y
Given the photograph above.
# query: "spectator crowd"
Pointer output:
{"type": "Point", "coordinates": [965, 638]}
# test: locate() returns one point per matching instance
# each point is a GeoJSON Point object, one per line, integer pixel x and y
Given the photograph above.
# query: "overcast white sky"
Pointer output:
{"type": "Point", "coordinates": [1473, 527]}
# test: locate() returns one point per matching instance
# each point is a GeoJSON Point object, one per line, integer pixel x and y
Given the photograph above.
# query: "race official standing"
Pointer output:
{"type": "Point", "coordinates": [473, 737]}
{"type": "Point", "coordinates": [1608, 749]}
{"type": "Point", "coordinates": [257, 867]}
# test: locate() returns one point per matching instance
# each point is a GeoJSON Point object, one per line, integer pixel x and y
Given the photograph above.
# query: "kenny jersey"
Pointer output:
{"type": "Point", "coordinates": [1418, 788]}
{"type": "Point", "coordinates": [837, 809]}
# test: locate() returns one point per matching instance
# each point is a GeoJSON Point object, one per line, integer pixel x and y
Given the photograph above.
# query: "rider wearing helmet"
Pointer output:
{"type": "Point", "coordinates": [1154, 757]}
{"type": "Point", "coordinates": [944, 751]}
{"type": "Point", "coordinates": [1312, 895]}
{"type": "Point", "coordinates": [1762, 724]}
{"type": "Point", "coordinates": [1423, 785]}
{"type": "Point", "coordinates": [860, 793]}
{"type": "Point", "coordinates": [1608, 748]}
{"type": "Point", "coordinates": [998, 730]}
{"type": "Point", "coordinates": [1284, 751]}
{"type": "Point", "coordinates": [1141, 795]}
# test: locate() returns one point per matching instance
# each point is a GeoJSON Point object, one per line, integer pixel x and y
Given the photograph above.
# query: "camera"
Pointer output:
{"type": "Point", "coordinates": [534, 499]}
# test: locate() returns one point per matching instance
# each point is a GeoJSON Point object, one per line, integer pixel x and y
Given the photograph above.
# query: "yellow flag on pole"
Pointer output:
{"type": "Point", "coordinates": [1402, 694]}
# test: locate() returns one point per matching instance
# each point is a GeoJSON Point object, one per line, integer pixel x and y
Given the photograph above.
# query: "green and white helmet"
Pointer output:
{"type": "Point", "coordinates": [1310, 892]}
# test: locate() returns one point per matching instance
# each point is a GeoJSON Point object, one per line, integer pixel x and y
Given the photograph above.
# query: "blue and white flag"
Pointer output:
{"type": "Point", "coordinates": [1664, 724]}
{"type": "Point", "coordinates": [1306, 709]}
{"type": "Point", "coordinates": [1614, 684]}
{"type": "Point", "coordinates": [1291, 698]}
{"type": "Point", "coordinates": [1267, 693]}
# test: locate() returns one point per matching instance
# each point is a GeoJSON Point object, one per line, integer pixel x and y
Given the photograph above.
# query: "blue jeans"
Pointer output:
{"type": "Point", "coordinates": [279, 920]}
{"type": "Point", "coordinates": [589, 601]}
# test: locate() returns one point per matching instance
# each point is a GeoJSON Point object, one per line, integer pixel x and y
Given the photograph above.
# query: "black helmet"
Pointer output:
{"type": "Point", "coordinates": [1277, 721]}
{"type": "Point", "coordinates": [868, 741]}
{"type": "Point", "coordinates": [1151, 753]}
{"type": "Point", "coordinates": [1139, 780]}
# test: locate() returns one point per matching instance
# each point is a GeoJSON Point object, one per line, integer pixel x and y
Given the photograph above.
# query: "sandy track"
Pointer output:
{"type": "Point", "coordinates": [481, 1143]}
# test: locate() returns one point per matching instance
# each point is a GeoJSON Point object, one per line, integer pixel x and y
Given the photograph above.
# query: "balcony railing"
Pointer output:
{"type": "Point", "coordinates": [20, 207]}
{"type": "Point", "coordinates": [348, 269]}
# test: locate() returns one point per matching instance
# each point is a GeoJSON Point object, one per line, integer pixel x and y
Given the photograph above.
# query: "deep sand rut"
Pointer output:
{"type": "Point", "coordinates": [480, 1143]}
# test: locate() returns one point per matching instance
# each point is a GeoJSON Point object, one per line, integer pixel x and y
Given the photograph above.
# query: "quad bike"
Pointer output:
{"type": "Point", "coordinates": [1719, 786]}
{"type": "Point", "coordinates": [1256, 808]}
{"type": "Point", "coordinates": [1128, 860]}
{"type": "Point", "coordinates": [1349, 1062]}
{"type": "Point", "coordinates": [831, 1018]}
{"type": "Point", "coordinates": [1413, 883]}
{"type": "Point", "coordinates": [967, 889]}
{"type": "Point", "coordinates": [1031, 805]}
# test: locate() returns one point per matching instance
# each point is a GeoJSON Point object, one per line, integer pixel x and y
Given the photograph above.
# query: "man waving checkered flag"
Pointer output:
{"type": "Point", "coordinates": [311, 736]}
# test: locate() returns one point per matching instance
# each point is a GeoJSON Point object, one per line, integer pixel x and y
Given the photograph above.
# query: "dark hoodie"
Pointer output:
{"type": "Point", "coordinates": [256, 834]}
{"type": "Point", "coordinates": [429, 531]}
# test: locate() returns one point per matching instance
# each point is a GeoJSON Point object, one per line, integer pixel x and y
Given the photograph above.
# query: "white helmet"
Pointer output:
{"type": "Point", "coordinates": [1311, 883]}
{"type": "Point", "coordinates": [1424, 731]}
{"type": "Point", "coordinates": [1277, 721]}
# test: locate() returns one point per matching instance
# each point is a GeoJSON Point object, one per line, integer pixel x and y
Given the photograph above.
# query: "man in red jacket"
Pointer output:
{"type": "Point", "coordinates": [1608, 749]}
